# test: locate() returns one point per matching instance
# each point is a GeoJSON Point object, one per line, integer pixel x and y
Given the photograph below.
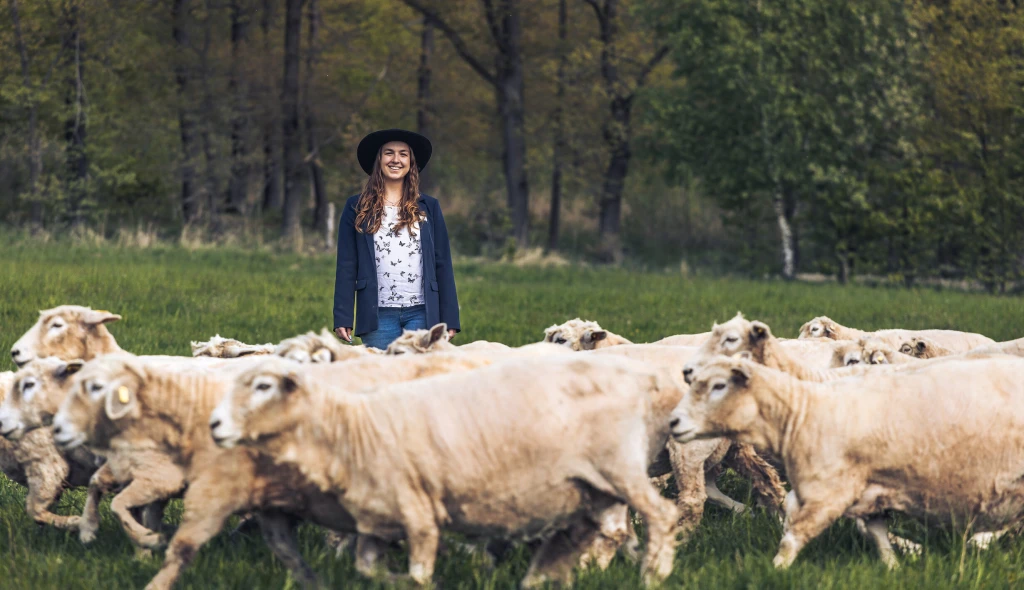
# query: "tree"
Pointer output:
{"type": "Point", "coordinates": [617, 130]}
{"type": "Point", "coordinates": [76, 159]}
{"type": "Point", "coordinates": [504, 25]}
{"type": "Point", "coordinates": [423, 106]}
{"type": "Point", "coordinates": [316, 173]}
{"type": "Point", "coordinates": [238, 185]}
{"type": "Point", "coordinates": [559, 144]}
{"type": "Point", "coordinates": [291, 146]}
{"type": "Point", "coordinates": [190, 206]}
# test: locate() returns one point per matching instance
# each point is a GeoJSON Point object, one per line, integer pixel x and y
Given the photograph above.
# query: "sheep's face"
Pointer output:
{"type": "Point", "coordinates": [67, 332]}
{"type": "Point", "coordinates": [312, 348]}
{"type": "Point", "coordinates": [102, 401]}
{"type": "Point", "coordinates": [262, 403]}
{"type": "Point", "coordinates": [718, 403]}
{"type": "Point", "coordinates": [35, 395]}
{"type": "Point", "coordinates": [922, 348]}
{"type": "Point", "coordinates": [735, 337]}
{"type": "Point", "coordinates": [421, 341]}
{"type": "Point", "coordinates": [820, 327]}
{"type": "Point", "coordinates": [576, 334]}
{"type": "Point", "coordinates": [846, 354]}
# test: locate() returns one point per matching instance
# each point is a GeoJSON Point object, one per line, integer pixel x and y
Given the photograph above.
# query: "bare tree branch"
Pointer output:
{"type": "Point", "coordinates": [456, 40]}
{"type": "Point", "coordinates": [492, 24]}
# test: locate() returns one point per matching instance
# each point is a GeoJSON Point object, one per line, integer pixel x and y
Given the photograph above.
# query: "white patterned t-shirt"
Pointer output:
{"type": "Point", "coordinates": [399, 258]}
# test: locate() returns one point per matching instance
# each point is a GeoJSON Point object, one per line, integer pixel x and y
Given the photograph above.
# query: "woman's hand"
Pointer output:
{"type": "Point", "coordinates": [451, 335]}
{"type": "Point", "coordinates": [344, 333]}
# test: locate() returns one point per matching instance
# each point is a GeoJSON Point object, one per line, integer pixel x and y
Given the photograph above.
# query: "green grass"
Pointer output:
{"type": "Point", "coordinates": [171, 296]}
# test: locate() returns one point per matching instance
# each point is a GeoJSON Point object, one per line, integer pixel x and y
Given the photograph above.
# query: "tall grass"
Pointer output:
{"type": "Point", "coordinates": [169, 296]}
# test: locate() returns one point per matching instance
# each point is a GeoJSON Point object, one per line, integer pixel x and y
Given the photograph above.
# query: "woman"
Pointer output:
{"type": "Point", "coordinates": [394, 260]}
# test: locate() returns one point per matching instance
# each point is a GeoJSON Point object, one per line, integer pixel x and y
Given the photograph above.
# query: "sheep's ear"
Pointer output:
{"type": "Point", "coordinates": [68, 369]}
{"type": "Point", "coordinates": [595, 335]}
{"type": "Point", "coordinates": [759, 331]}
{"type": "Point", "coordinates": [290, 382]}
{"type": "Point", "coordinates": [830, 328]}
{"type": "Point", "coordinates": [95, 317]}
{"type": "Point", "coordinates": [551, 333]}
{"type": "Point", "coordinates": [740, 375]}
{"type": "Point", "coordinates": [119, 402]}
{"type": "Point", "coordinates": [436, 333]}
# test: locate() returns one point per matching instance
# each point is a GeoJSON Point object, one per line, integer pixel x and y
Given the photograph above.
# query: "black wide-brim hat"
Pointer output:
{"type": "Point", "coordinates": [370, 146]}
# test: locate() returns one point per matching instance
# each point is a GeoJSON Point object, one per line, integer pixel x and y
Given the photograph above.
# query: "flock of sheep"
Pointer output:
{"type": "Point", "coordinates": [533, 444]}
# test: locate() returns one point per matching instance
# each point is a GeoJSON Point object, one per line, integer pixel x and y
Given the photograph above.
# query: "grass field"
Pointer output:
{"type": "Point", "coordinates": [170, 296]}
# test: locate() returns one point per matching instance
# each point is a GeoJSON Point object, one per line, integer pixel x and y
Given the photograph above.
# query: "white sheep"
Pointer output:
{"type": "Point", "coordinates": [580, 334]}
{"type": "Point", "coordinates": [824, 327]}
{"type": "Point", "coordinates": [227, 348]}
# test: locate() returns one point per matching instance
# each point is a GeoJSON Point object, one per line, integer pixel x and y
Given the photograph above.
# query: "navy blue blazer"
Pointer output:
{"type": "Point", "coordinates": [356, 278]}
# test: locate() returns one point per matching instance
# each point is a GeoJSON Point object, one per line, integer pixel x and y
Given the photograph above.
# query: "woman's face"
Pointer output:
{"type": "Point", "coordinates": [395, 160]}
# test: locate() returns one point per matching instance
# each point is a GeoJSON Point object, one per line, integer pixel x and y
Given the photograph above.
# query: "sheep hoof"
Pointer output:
{"type": "Point", "coordinates": [152, 540]}
{"type": "Point", "coordinates": [86, 534]}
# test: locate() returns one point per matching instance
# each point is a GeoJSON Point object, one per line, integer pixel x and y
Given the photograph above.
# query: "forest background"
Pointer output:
{"type": "Point", "coordinates": [865, 137]}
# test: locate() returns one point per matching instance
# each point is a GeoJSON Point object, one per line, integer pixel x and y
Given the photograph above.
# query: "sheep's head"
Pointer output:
{"type": "Point", "coordinates": [421, 341]}
{"type": "Point", "coordinates": [317, 348]}
{"type": "Point", "coordinates": [102, 400]}
{"type": "Point", "coordinates": [738, 336]}
{"type": "Point", "coordinates": [36, 392]}
{"type": "Point", "coordinates": [820, 327]}
{"type": "Point", "coordinates": [719, 402]}
{"type": "Point", "coordinates": [867, 350]}
{"type": "Point", "coordinates": [576, 334]}
{"type": "Point", "coordinates": [263, 402]}
{"type": "Point", "coordinates": [229, 348]}
{"type": "Point", "coordinates": [924, 348]}
{"type": "Point", "coordinates": [67, 332]}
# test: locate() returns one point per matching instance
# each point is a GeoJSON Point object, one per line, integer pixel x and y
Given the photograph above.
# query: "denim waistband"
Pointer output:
{"type": "Point", "coordinates": [417, 306]}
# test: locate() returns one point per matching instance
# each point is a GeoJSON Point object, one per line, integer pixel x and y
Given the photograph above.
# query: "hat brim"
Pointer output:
{"type": "Point", "coordinates": [370, 146]}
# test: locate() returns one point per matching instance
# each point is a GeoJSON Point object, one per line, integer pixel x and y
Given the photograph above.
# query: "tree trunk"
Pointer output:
{"type": "Point", "coordinates": [513, 116]}
{"type": "Point", "coordinates": [238, 185]}
{"type": "Point", "coordinates": [423, 94]}
{"type": "Point", "coordinates": [559, 143]}
{"type": "Point", "coordinates": [208, 121]}
{"type": "Point", "coordinates": [291, 145]}
{"type": "Point", "coordinates": [35, 153]}
{"type": "Point", "coordinates": [843, 258]}
{"type": "Point", "coordinates": [316, 173]}
{"type": "Point", "coordinates": [786, 235]}
{"type": "Point", "coordinates": [618, 133]}
{"type": "Point", "coordinates": [76, 160]}
{"type": "Point", "coordinates": [271, 156]}
{"type": "Point", "coordinates": [190, 206]}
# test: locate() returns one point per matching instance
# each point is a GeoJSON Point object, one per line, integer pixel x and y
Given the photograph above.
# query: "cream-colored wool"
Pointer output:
{"type": "Point", "coordinates": [943, 441]}
{"type": "Point", "coordinates": [866, 350]}
{"type": "Point", "coordinates": [461, 451]}
{"type": "Point", "coordinates": [319, 348]}
{"type": "Point", "coordinates": [67, 332]}
{"type": "Point", "coordinates": [683, 339]}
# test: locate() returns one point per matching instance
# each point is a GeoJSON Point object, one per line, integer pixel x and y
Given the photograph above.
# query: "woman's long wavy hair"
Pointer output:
{"type": "Point", "coordinates": [370, 209]}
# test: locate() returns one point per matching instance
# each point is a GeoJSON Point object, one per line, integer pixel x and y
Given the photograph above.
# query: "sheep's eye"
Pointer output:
{"type": "Point", "coordinates": [852, 362]}
{"type": "Point", "coordinates": [28, 385]}
{"type": "Point", "coordinates": [96, 387]}
{"type": "Point", "coordinates": [262, 386]}
{"type": "Point", "coordinates": [56, 325]}
{"type": "Point", "coordinates": [718, 386]}
{"type": "Point", "coordinates": [398, 352]}
{"type": "Point", "coordinates": [731, 339]}
{"type": "Point", "coordinates": [560, 341]}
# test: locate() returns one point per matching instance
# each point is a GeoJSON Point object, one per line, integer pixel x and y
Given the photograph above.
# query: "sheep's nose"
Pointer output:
{"type": "Point", "coordinates": [56, 430]}
{"type": "Point", "coordinates": [687, 373]}
{"type": "Point", "coordinates": [15, 353]}
{"type": "Point", "coordinates": [674, 422]}
{"type": "Point", "coordinates": [214, 424]}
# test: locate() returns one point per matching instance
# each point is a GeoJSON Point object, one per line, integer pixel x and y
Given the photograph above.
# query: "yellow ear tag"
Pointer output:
{"type": "Point", "coordinates": [122, 394]}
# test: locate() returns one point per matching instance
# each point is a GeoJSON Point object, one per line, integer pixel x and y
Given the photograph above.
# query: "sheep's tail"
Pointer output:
{"type": "Point", "coordinates": [768, 490]}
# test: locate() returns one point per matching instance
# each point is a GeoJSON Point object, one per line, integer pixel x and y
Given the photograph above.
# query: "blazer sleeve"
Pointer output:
{"type": "Point", "coordinates": [448, 299]}
{"type": "Point", "coordinates": [345, 277]}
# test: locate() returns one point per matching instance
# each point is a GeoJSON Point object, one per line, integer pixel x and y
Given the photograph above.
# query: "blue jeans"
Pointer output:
{"type": "Point", "coordinates": [391, 321]}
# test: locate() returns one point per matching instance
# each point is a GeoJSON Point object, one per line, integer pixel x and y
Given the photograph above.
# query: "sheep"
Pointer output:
{"type": "Point", "coordinates": [8, 463]}
{"type": "Point", "coordinates": [868, 350]}
{"type": "Point", "coordinates": [954, 340]}
{"type": "Point", "coordinates": [460, 451]}
{"type": "Point", "coordinates": [924, 348]}
{"type": "Point", "coordinates": [580, 334]}
{"type": "Point", "coordinates": [696, 479]}
{"type": "Point", "coordinates": [228, 348]}
{"type": "Point", "coordinates": [30, 456]}
{"type": "Point", "coordinates": [319, 348]}
{"type": "Point", "coordinates": [122, 401]}
{"type": "Point", "coordinates": [67, 332]}
{"type": "Point", "coordinates": [436, 339]}
{"type": "Point", "coordinates": [859, 447]}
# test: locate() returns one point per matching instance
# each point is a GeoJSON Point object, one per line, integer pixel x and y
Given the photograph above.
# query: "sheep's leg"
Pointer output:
{"type": "Point", "coordinates": [688, 470]}
{"type": "Point", "coordinates": [154, 484]}
{"type": "Point", "coordinates": [206, 509]}
{"type": "Point", "coordinates": [340, 542]}
{"type": "Point", "coordinates": [806, 522]}
{"type": "Point", "coordinates": [716, 496]}
{"type": "Point", "coordinates": [877, 529]}
{"type": "Point", "coordinates": [614, 528]}
{"type": "Point", "coordinates": [45, 479]}
{"type": "Point", "coordinates": [101, 482]}
{"type": "Point", "coordinates": [768, 489]}
{"type": "Point", "coordinates": [423, 537]}
{"type": "Point", "coordinates": [369, 550]}
{"type": "Point", "coordinates": [278, 532]}
{"type": "Point", "coordinates": [983, 540]}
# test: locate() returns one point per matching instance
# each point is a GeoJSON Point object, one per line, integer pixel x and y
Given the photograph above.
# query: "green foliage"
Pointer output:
{"type": "Point", "coordinates": [170, 296]}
